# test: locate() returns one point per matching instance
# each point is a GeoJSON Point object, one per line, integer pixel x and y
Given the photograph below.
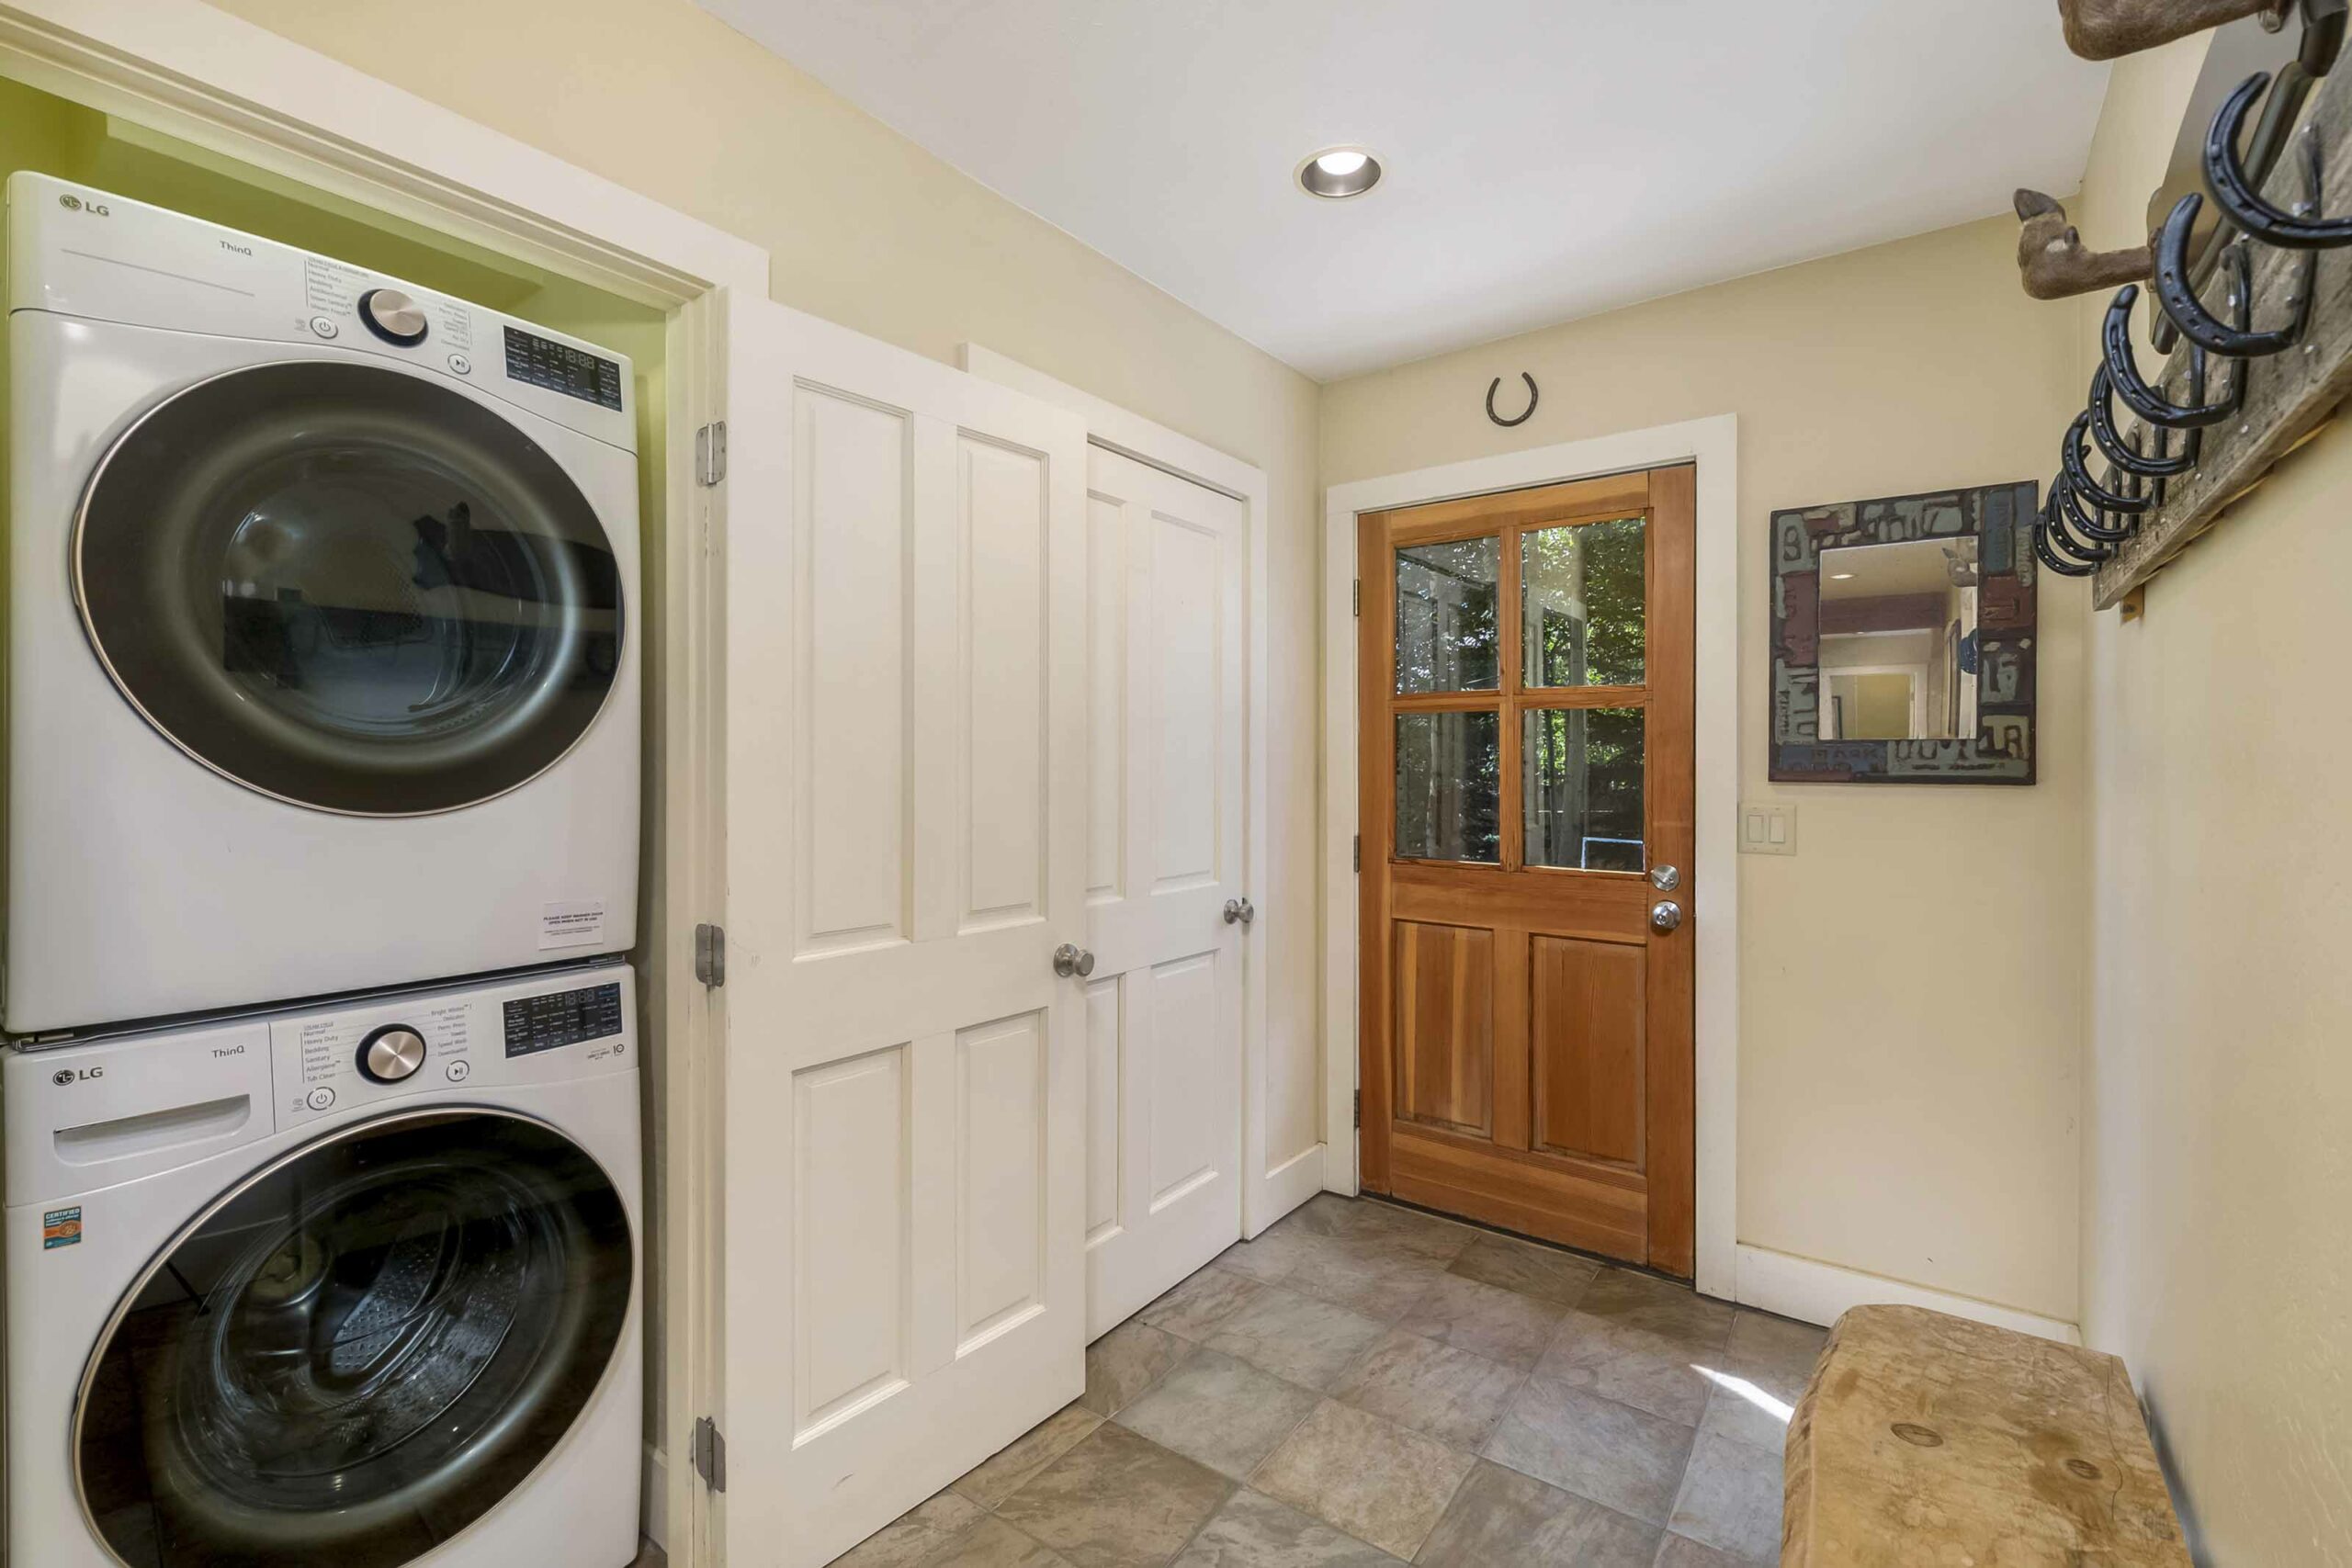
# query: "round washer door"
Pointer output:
{"type": "Point", "coordinates": [349, 587]}
{"type": "Point", "coordinates": [357, 1352]}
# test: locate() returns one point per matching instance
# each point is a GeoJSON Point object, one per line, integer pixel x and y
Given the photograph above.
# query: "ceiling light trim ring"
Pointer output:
{"type": "Point", "coordinates": [1347, 180]}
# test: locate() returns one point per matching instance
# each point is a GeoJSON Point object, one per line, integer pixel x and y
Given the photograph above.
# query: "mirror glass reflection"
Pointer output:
{"type": "Point", "coordinates": [1899, 640]}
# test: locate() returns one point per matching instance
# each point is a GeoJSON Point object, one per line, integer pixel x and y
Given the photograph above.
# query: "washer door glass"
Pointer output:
{"type": "Point", "coordinates": [359, 1353]}
{"type": "Point", "coordinates": [349, 587]}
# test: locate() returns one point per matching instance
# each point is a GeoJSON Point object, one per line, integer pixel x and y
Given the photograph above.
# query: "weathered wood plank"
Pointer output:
{"type": "Point", "coordinates": [2288, 395]}
{"type": "Point", "coordinates": [1925, 1440]}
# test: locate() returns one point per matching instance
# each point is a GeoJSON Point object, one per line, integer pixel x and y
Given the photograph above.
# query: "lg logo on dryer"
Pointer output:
{"type": "Point", "coordinates": [66, 1077]}
{"type": "Point", "coordinates": [76, 204]}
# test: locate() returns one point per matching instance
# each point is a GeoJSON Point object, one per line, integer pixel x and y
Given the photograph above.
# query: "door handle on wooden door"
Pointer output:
{"type": "Point", "coordinates": [1240, 912]}
{"type": "Point", "coordinates": [1666, 915]}
{"type": "Point", "coordinates": [1070, 959]}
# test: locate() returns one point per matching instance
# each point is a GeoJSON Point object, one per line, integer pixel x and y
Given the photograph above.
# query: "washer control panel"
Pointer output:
{"type": "Point", "coordinates": [330, 1061]}
{"type": "Point", "coordinates": [549, 1022]}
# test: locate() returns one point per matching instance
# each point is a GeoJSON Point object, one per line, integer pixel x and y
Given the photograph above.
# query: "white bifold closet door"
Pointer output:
{"type": "Point", "coordinates": [1168, 568]}
{"type": "Point", "coordinates": [904, 1181]}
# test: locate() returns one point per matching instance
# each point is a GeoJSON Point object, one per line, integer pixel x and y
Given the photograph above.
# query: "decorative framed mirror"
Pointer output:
{"type": "Point", "coordinates": [1902, 640]}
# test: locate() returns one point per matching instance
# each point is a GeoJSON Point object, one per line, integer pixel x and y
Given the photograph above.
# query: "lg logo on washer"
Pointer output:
{"type": "Point", "coordinates": [66, 1077]}
{"type": "Point", "coordinates": [76, 204]}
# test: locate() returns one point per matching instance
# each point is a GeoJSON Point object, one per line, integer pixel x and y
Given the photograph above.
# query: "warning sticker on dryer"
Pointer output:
{"type": "Point", "coordinates": [575, 922]}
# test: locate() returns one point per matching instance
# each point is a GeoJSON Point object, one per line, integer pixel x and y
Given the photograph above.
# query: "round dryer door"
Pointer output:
{"type": "Point", "coordinates": [357, 1352]}
{"type": "Point", "coordinates": [349, 587]}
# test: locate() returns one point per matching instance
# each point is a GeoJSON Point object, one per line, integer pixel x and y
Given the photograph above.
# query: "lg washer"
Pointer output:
{"type": "Point", "coordinates": [356, 1285]}
{"type": "Point", "coordinates": [323, 664]}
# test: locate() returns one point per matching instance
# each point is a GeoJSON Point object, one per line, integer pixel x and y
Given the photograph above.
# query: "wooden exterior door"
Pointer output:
{"type": "Point", "coordinates": [1527, 804]}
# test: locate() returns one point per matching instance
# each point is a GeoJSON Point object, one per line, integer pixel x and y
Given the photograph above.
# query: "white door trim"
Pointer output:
{"type": "Point", "coordinates": [189, 71]}
{"type": "Point", "coordinates": [1714, 443]}
{"type": "Point", "coordinates": [1266, 1195]}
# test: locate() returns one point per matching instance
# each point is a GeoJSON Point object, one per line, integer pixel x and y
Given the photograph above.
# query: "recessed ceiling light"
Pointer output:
{"type": "Point", "coordinates": [1338, 172]}
{"type": "Point", "coordinates": [1841, 577]}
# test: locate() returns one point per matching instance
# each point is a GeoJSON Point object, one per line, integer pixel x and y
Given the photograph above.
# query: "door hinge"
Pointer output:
{"type": "Point", "coordinates": [1358, 856]}
{"type": "Point", "coordinates": [1356, 598]}
{"type": "Point", "coordinates": [1359, 1109]}
{"type": "Point", "coordinates": [710, 453]}
{"type": "Point", "coordinates": [710, 956]}
{"type": "Point", "coordinates": [710, 1454]}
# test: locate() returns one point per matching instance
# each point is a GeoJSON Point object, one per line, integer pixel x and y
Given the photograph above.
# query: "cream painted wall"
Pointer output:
{"type": "Point", "coordinates": [1891, 1119]}
{"type": "Point", "coordinates": [2217, 1170]}
{"type": "Point", "coordinates": [869, 230]}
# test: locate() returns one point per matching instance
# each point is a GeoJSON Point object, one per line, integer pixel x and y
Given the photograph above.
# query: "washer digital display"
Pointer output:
{"type": "Point", "coordinates": [559, 368]}
{"type": "Point", "coordinates": [551, 1022]}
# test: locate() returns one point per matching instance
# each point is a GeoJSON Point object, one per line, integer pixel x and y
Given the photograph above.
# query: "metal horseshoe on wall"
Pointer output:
{"type": "Point", "coordinates": [1496, 386]}
{"type": "Point", "coordinates": [2124, 374]}
{"type": "Point", "coordinates": [2237, 193]}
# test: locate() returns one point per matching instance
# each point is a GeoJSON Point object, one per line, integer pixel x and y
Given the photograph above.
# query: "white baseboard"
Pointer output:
{"type": "Point", "coordinates": [1813, 1291]}
{"type": "Point", "coordinates": [657, 1497]}
{"type": "Point", "coordinates": [1289, 1184]}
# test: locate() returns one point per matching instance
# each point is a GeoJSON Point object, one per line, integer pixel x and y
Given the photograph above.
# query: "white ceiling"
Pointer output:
{"type": "Point", "coordinates": [1547, 159]}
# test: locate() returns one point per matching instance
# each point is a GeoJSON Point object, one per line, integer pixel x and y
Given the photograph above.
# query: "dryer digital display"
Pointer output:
{"type": "Point", "coordinates": [551, 1022]}
{"type": "Point", "coordinates": [560, 368]}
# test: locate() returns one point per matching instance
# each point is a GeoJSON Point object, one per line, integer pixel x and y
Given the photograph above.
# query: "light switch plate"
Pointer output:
{"type": "Point", "coordinates": [1767, 827]}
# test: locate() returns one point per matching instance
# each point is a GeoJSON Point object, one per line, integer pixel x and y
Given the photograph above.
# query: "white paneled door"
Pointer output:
{"type": "Point", "coordinates": [904, 1170]}
{"type": "Point", "coordinates": [1167, 570]}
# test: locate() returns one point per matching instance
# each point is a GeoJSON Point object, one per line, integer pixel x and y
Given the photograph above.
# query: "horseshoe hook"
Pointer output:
{"type": "Point", "coordinates": [2177, 294]}
{"type": "Point", "coordinates": [2079, 481]}
{"type": "Point", "coordinates": [2124, 374]}
{"type": "Point", "coordinates": [1496, 386]}
{"type": "Point", "coordinates": [2236, 194]}
{"type": "Point", "coordinates": [2065, 566]}
{"type": "Point", "coordinates": [2130, 458]}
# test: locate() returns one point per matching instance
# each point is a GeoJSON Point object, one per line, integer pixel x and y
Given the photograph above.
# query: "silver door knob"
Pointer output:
{"type": "Point", "coordinates": [1666, 878]}
{"type": "Point", "coordinates": [1666, 915]}
{"type": "Point", "coordinates": [1070, 959]}
{"type": "Point", "coordinates": [1240, 912]}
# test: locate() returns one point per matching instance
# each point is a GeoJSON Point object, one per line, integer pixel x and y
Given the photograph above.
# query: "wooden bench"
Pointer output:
{"type": "Point", "coordinates": [1929, 1442]}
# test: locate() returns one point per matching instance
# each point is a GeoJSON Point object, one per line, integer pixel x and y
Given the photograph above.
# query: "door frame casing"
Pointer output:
{"type": "Point", "coordinates": [186, 70]}
{"type": "Point", "coordinates": [1266, 1194]}
{"type": "Point", "coordinates": [1714, 445]}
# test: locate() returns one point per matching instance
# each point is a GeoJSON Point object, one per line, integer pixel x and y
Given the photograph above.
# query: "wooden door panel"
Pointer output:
{"type": "Point", "coordinates": [1584, 1040]}
{"type": "Point", "coordinates": [1526, 1045]}
{"type": "Point", "coordinates": [1445, 1035]}
{"type": "Point", "coordinates": [1616, 911]}
{"type": "Point", "coordinates": [1583, 1205]}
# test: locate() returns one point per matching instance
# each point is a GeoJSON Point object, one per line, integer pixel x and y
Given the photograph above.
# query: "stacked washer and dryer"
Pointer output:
{"type": "Point", "coordinates": [321, 1131]}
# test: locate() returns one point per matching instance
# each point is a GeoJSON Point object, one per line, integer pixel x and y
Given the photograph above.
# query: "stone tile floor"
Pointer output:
{"type": "Point", "coordinates": [1365, 1384]}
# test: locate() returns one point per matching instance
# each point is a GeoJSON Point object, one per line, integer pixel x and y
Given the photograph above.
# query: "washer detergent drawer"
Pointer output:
{"type": "Point", "coordinates": [113, 1111]}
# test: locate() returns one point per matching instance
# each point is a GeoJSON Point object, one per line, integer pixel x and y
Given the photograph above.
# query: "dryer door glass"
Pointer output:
{"type": "Point", "coordinates": [359, 1352]}
{"type": "Point", "coordinates": [349, 587]}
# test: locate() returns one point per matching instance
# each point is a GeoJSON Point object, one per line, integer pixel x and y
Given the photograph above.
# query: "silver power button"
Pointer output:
{"type": "Point", "coordinates": [391, 1053]}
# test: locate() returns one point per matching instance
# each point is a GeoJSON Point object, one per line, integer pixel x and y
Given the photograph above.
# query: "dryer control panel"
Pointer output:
{"type": "Point", "coordinates": [81, 252]}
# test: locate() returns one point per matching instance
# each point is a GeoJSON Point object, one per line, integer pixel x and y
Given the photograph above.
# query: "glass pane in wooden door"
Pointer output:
{"type": "Point", "coordinates": [1449, 770]}
{"type": "Point", "coordinates": [1446, 633]}
{"type": "Point", "coordinates": [1582, 603]}
{"type": "Point", "coordinates": [1583, 787]}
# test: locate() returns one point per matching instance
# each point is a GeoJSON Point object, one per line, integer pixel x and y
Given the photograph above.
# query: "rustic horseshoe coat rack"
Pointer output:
{"type": "Point", "coordinates": [1496, 386]}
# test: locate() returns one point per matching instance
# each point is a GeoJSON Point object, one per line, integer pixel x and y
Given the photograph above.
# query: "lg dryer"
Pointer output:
{"type": "Point", "coordinates": [322, 666]}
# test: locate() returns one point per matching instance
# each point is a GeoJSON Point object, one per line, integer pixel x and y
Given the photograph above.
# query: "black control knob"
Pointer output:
{"type": "Point", "coordinates": [393, 316]}
{"type": "Point", "coordinates": [391, 1053]}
